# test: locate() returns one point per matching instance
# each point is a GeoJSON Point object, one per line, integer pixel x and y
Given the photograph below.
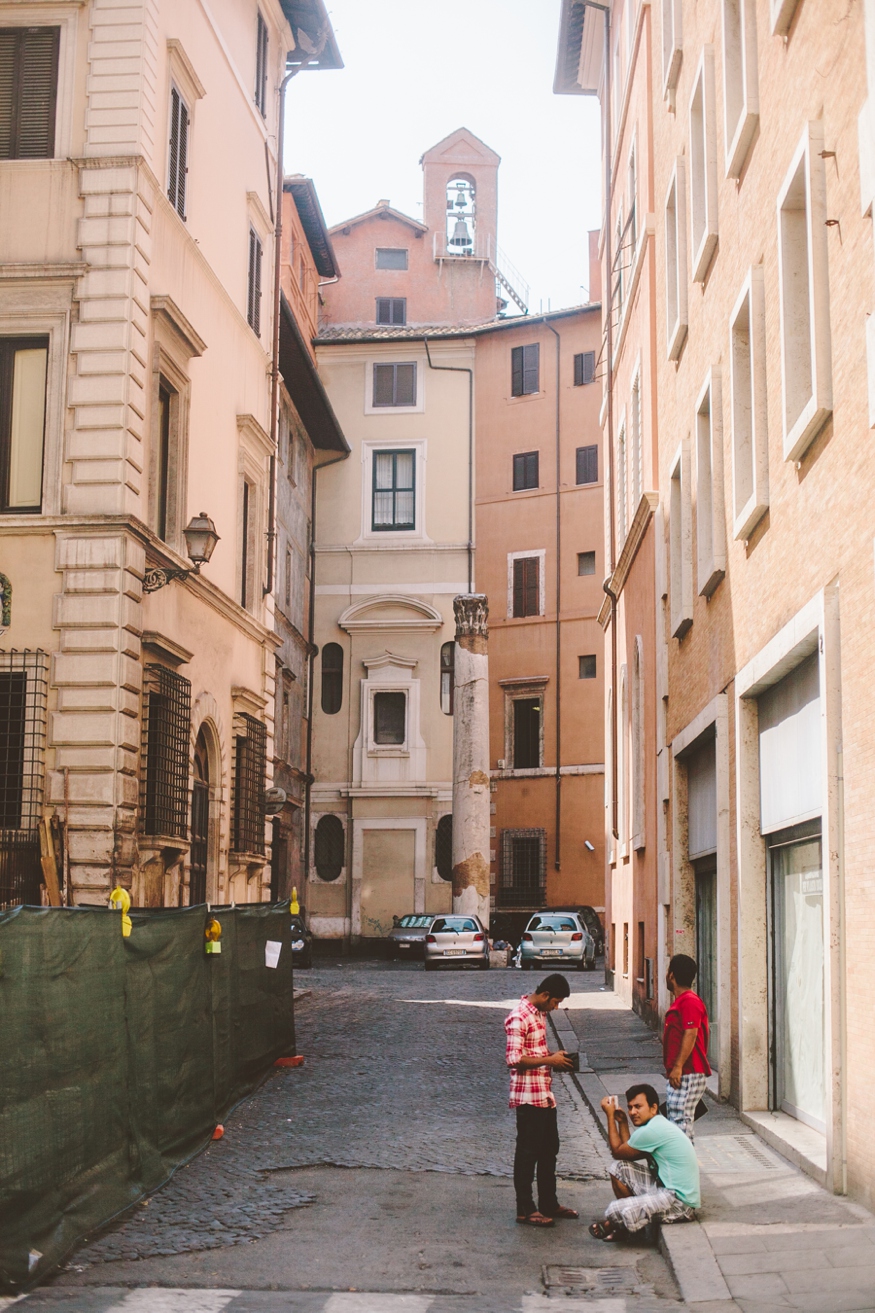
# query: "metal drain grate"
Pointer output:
{"type": "Point", "coordinates": [747, 1143]}
{"type": "Point", "coordinates": [598, 1280]}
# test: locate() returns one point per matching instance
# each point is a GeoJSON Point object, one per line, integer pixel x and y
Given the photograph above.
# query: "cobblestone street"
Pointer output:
{"type": "Point", "coordinates": [383, 1164]}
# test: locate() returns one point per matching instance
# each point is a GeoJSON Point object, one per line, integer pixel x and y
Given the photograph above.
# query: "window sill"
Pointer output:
{"type": "Point", "coordinates": [526, 396]}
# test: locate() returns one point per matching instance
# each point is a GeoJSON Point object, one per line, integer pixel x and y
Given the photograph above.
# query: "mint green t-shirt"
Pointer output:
{"type": "Point", "coordinates": [674, 1155]}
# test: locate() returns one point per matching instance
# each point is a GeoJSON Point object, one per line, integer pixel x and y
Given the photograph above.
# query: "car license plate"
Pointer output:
{"type": "Point", "coordinates": [403, 945]}
{"type": "Point", "coordinates": [454, 952]}
{"type": "Point", "coordinates": [551, 952]}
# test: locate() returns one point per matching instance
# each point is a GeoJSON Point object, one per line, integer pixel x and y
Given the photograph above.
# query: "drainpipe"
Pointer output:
{"type": "Point", "coordinates": [557, 857]}
{"type": "Point", "coordinates": [463, 369]}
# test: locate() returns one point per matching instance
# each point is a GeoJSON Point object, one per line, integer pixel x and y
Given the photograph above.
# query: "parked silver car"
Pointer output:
{"type": "Point", "coordinates": [407, 936]}
{"type": "Point", "coordinates": [456, 940]}
{"type": "Point", "coordinates": [557, 939]}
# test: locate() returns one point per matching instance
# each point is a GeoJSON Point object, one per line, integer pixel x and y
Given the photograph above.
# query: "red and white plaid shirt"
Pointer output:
{"type": "Point", "coordinates": [527, 1035]}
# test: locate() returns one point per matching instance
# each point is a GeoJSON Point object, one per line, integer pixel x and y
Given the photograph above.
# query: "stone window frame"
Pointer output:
{"type": "Point", "coordinates": [741, 96]}
{"type": "Point", "coordinates": [710, 523]}
{"type": "Point", "coordinates": [680, 539]}
{"type": "Point", "coordinates": [748, 401]}
{"type": "Point", "coordinates": [398, 357]}
{"type": "Point", "coordinates": [66, 17]}
{"type": "Point", "coordinates": [253, 465]}
{"type": "Point", "coordinates": [622, 477]}
{"type": "Point", "coordinates": [637, 442]}
{"type": "Point", "coordinates": [369, 535]}
{"type": "Point", "coordinates": [519, 690]}
{"type": "Point", "coordinates": [702, 126]}
{"type": "Point", "coordinates": [672, 45]}
{"type": "Point", "coordinates": [541, 554]}
{"type": "Point", "coordinates": [806, 402]}
{"type": "Point", "coordinates": [190, 89]}
{"type": "Point", "coordinates": [677, 311]}
{"type": "Point", "coordinates": [174, 344]}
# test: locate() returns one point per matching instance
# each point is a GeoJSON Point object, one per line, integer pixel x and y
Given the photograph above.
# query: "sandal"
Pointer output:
{"type": "Point", "coordinates": [535, 1219]}
{"type": "Point", "coordinates": [601, 1231]}
{"type": "Point", "coordinates": [562, 1211]}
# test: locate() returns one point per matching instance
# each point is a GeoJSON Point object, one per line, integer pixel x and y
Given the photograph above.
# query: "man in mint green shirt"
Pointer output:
{"type": "Point", "coordinates": [656, 1173]}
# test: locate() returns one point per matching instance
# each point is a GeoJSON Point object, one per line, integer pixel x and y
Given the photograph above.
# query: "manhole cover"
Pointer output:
{"type": "Point", "coordinates": [605, 1280]}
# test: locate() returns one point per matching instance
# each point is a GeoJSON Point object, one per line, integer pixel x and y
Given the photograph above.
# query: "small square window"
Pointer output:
{"type": "Point", "coordinates": [584, 368]}
{"type": "Point", "coordinates": [391, 257]}
{"type": "Point", "coordinates": [390, 718]}
{"type": "Point", "coordinates": [588, 464]}
{"type": "Point", "coordinates": [586, 667]}
{"type": "Point", "coordinates": [586, 562]}
{"type": "Point", "coordinates": [525, 471]}
{"type": "Point", "coordinates": [395, 385]}
{"type": "Point", "coordinates": [391, 310]}
{"type": "Point", "coordinates": [525, 370]}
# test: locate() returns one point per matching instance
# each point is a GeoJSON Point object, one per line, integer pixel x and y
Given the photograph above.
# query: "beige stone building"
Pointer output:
{"type": "Point", "coordinates": [760, 116]}
{"type": "Point", "coordinates": [136, 329]}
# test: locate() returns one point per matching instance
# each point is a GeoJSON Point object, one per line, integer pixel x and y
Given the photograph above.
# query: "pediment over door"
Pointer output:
{"type": "Point", "coordinates": [389, 612]}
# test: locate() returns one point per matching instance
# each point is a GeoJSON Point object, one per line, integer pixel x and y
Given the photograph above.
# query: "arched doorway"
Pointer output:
{"type": "Point", "coordinates": [200, 823]}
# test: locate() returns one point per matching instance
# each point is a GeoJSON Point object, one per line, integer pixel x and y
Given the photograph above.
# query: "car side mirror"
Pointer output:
{"type": "Point", "coordinates": [396, 921]}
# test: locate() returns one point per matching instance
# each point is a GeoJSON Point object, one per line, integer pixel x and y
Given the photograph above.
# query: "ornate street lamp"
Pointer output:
{"type": "Point", "coordinates": [200, 539]}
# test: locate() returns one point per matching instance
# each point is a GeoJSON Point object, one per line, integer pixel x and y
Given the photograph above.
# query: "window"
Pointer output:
{"type": "Point", "coordinates": [287, 445]}
{"type": "Point", "coordinates": [636, 455]}
{"type": "Point", "coordinates": [526, 586]}
{"type": "Point", "coordinates": [332, 678]}
{"type": "Point", "coordinates": [253, 299]}
{"type": "Point", "coordinates": [328, 847]}
{"type": "Point", "coordinates": [287, 594]}
{"type": "Point", "coordinates": [703, 167]}
{"type": "Point", "coordinates": [395, 385]}
{"type": "Point", "coordinates": [587, 465]}
{"type": "Point", "coordinates": [525, 471]}
{"type": "Point", "coordinates": [586, 667]}
{"type": "Point", "coordinates": [285, 735]}
{"type": "Point", "coordinates": [247, 581]}
{"type": "Point", "coordinates": [391, 310]}
{"type": "Point", "coordinates": [167, 400]}
{"type": "Point", "coordinates": [23, 364]}
{"type": "Point", "coordinates": [177, 166]}
{"type": "Point", "coordinates": [525, 370]}
{"type": "Point", "coordinates": [250, 759]}
{"type": "Point", "coordinates": [526, 733]}
{"type": "Point", "coordinates": [637, 754]}
{"type": "Point", "coordinates": [166, 743]}
{"type": "Point", "coordinates": [261, 46]}
{"type": "Point", "coordinates": [748, 411]}
{"type": "Point", "coordinates": [740, 84]}
{"type": "Point", "coordinates": [394, 491]}
{"type": "Point", "coordinates": [523, 868]}
{"type": "Point", "coordinates": [584, 368]}
{"type": "Point", "coordinates": [680, 545]}
{"type": "Point", "coordinates": [622, 493]}
{"type": "Point", "coordinates": [782, 12]}
{"type": "Point", "coordinates": [586, 562]}
{"type": "Point", "coordinates": [28, 92]}
{"type": "Point", "coordinates": [448, 665]}
{"type": "Point", "coordinates": [390, 257]}
{"type": "Point", "coordinates": [390, 718]}
{"type": "Point", "coordinates": [710, 529]}
{"type": "Point", "coordinates": [23, 696]}
{"type": "Point", "coordinates": [672, 43]}
{"type": "Point", "coordinates": [676, 263]}
{"type": "Point", "coordinates": [443, 847]}
{"type": "Point", "coordinates": [804, 282]}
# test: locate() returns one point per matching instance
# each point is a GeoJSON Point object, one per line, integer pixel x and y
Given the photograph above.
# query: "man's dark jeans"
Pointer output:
{"type": "Point", "coordinates": [537, 1145]}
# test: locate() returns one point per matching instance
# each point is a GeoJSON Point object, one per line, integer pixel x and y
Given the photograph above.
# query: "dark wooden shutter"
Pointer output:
{"type": "Point", "coordinates": [177, 167]}
{"type": "Point", "coordinates": [405, 385]}
{"type": "Point", "coordinates": [516, 371]}
{"type": "Point", "coordinates": [532, 585]}
{"type": "Point", "coordinates": [519, 591]}
{"type": "Point", "coordinates": [588, 464]}
{"type": "Point", "coordinates": [531, 368]}
{"type": "Point", "coordinates": [384, 310]}
{"type": "Point", "coordinates": [399, 310]}
{"type": "Point", "coordinates": [261, 67]}
{"type": "Point", "coordinates": [253, 308]}
{"type": "Point", "coordinates": [532, 472]}
{"type": "Point", "coordinates": [28, 92]}
{"type": "Point", "coordinates": [519, 473]}
{"type": "Point", "coordinates": [588, 367]}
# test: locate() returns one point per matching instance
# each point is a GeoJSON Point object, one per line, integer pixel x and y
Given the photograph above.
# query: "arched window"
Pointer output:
{"type": "Point", "coordinates": [332, 678]}
{"type": "Point", "coordinates": [329, 847]}
{"type": "Point", "coordinates": [448, 663]}
{"type": "Point", "coordinates": [443, 847]}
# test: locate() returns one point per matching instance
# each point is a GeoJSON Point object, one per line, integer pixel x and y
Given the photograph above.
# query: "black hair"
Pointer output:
{"type": "Point", "coordinates": [647, 1090]}
{"type": "Point", "coordinates": [554, 986]}
{"type": "Point", "coordinates": [683, 969]}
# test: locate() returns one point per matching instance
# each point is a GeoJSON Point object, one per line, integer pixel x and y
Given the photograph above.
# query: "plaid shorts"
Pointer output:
{"type": "Point", "coordinates": [680, 1105]}
{"type": "Point", "coordinates": [651, 1201]}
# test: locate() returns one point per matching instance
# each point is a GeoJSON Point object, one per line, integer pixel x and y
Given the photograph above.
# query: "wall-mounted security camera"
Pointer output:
{"type": "Point", "coordinates": [590, 847]}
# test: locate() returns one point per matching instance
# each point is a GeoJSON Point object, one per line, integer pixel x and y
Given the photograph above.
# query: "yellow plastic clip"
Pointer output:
{"type": "Point", "coordinates": [294, 905]}
{"type": "Point", "coordinates": [120, 900]}
{"type": "Point", "coordinates": [213, 936]}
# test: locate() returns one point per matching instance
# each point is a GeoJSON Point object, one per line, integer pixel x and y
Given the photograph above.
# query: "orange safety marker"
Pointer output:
{"type": "Point", "coordinates": [296, 1061]}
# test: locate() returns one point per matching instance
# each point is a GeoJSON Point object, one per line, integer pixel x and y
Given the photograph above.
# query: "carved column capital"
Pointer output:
{"type": "Point", "coordinates": [472, 613]}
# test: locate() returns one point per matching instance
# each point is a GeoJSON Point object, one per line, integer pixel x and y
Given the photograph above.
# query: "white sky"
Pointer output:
{"type": "Point", "coordinates": [417, 69]}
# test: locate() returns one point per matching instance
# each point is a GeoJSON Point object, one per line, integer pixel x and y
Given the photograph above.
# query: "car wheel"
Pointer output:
{"type": "Point", "coordinates": [484, 965]}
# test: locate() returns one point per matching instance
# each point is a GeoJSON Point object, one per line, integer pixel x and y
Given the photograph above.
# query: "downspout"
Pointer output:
{"type": "Point", "coordinates": [463, 369]}
{"type": "Point", "coordinates": [557, 855]}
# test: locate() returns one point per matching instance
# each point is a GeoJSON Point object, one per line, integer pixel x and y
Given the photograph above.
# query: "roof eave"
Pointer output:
{"type": "Point", "coordinates": [309, 22]}
{"type": "Point", "coordinates": [580, 49]}
{"type": "Point", "coordinates": [303, 193]}
{"type": "Point", "coordinates": [306, 388]}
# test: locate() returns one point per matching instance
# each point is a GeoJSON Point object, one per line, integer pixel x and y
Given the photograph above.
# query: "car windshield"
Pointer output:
{"type": "Point", "coordinates": [453, 924]}
{"type": "Point", "coordinates": [552, 923]}
{"type": "Point", "coordinates": [414, 922]}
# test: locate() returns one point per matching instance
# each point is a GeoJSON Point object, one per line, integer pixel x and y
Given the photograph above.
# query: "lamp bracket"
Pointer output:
{"type": "Point", "coordinates": [158, 577]}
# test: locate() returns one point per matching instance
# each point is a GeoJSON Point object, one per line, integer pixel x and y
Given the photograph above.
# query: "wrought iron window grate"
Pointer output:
{"type": "Point", "coordinates": [165, 754]}
{"type": "Point", "coordinates": [250, 752]}
{"type": "Point", "coordinates": [23, 699]}
{"type": "Point", "coordinates": [523, 868]}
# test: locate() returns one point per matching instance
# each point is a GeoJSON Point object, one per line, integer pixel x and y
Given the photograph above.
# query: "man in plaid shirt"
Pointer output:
{"type": "Point", "coordinates": [531, 1074]}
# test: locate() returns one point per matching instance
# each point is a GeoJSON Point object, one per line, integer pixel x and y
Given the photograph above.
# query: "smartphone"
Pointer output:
{"type": "Point", "coordinates": [614, 1100]}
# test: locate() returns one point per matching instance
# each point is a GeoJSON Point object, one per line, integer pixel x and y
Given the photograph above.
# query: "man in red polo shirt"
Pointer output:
{"type": "Point", "coordinates": [684, 1044]}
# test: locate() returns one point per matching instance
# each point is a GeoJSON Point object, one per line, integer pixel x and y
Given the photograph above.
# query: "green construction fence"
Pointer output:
{"type": "Point", "coordinates": [118, 1057]}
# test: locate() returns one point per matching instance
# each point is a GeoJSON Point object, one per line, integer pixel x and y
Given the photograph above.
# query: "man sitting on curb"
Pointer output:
{"type": "Point", "coordinates": [656, 1175]}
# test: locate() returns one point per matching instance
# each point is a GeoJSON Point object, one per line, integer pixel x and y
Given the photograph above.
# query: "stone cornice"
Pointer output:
{"type": "Point", "coordinates": [169, 311]}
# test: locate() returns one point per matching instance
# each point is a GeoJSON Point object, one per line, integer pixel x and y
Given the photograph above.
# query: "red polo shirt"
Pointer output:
{"type": "Point", "coordinates": [688, 1012]}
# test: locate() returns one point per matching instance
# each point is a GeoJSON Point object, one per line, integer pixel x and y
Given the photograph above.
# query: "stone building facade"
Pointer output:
{"type": "Point", "coordinates": [135, 298]}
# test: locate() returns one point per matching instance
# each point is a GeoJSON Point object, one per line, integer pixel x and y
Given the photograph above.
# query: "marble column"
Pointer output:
{"type": "Point", "coordinates": [471, 758]}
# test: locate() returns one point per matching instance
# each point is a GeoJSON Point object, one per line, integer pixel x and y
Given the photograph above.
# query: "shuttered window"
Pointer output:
{"type": "Point", "coordinates": [587, 464]}
{"type": "Point", "coordinates": [584, 368]}
{"type": "Point", "coordinates": [391, 310]}
{"type": "Point", "coordinates": [177, 168]}
{"type": "Point", "coordinates": [28, 92]}
{"type": "Point", "coordinates": [261, 67]}
{"type": "Point", "coordinates": [253, 301]}
{"type": "Point", "coordinates": [525, 369]}
{"type": "Point", "coordinates": [525, 471]}
{"type": "Point", "coordinates": [395, 385]}
{"type": "Point", "coordinates": [526, 586]}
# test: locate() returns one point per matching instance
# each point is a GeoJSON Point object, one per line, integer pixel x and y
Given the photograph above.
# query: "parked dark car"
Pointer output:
{"type": "Point", "coordinates": [407, 936]}
{"type": "Point", "coordinates": [302, 943]}
{"type": "Point", "coordinates": [590, 918]}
